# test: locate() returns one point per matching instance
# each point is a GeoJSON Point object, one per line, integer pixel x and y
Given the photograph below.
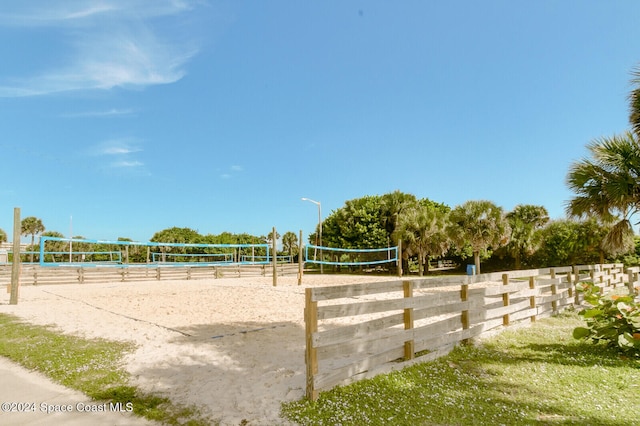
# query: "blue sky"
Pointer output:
{"type": "Point", "coordinates": [132, 116]}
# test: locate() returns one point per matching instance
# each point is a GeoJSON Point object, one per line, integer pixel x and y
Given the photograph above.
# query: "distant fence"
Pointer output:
{"type": "Point", "coordinates": [36, 275]}
{"type": "Point", "coordinates": [359, 331]}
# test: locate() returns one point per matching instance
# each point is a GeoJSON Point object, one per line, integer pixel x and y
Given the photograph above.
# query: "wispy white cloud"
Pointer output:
{"type": "Point", "coordinates": [112, 43]}
{"type": "Point", "coordinates": [113, 112]}
{"type": "Point", "coordinates": [119, 154]}
{"type": "Point", "coordinates": [126, 164]}
{"type": "Point", "coordinates": [120, 146]}
{"type": "Point", "coordinates": [233, 171]}
{"type": "Point", "coordinates": [47, 13]}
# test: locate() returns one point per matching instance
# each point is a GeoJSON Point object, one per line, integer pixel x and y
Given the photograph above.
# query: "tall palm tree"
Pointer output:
{"type": "Point", "coordinates": [480, 224]}
{"type": "Point", "coordinates": [392, 206]}
{"type": "Point", "coordinates": [31, 226]}
{"type": "Point", "coordinates": [525, 220]}
{"type": "Point", "coordinates": [423, 229]}
{"type": "Point", "coordinates": [290, 243]}
{"type": "Point", "coordinates": [608, 187]}
{"type": "Point", "coordinates": [634, 103]}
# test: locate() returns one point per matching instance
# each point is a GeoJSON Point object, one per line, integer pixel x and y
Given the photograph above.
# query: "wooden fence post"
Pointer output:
{"type": "Point", "coordinates": [630, 282]}
{"type": "Point", "coordinates": [554, 291]}
{"type": "Point", "coordinates": [576, 280]}
{"type": "Point", "coordinates": [464, 316]}
{"type": "Point", "coordinates": [409, 347]}
{"type": "Point", "coordinates": [505, 300]}
{"type": "Point", "coordinates": [311, 353]}
{"type": "Point", "coordinates": [532, 298]}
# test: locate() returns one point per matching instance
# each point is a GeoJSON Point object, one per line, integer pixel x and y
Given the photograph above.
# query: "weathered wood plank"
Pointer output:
{"type": "Point", "coordinates": [353, 290]}
{"type": "Point", "coordinates": [354, 331]}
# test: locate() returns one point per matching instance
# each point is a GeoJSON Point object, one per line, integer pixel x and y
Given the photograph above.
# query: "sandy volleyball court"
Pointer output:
{"type": "Point", "coordinates": [232, 347]}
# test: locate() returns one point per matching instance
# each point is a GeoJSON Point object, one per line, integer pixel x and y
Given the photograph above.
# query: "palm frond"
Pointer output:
{"type": "Point", "coordinates": [620, 239]}
{"type": "Point", "coordinates": [634, 102]}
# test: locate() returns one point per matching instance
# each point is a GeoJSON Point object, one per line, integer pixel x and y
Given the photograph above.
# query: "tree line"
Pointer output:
{"type": "Point", "coordinates": [32, 226]}
{"type": "Point", "coordinates": [476, 231]}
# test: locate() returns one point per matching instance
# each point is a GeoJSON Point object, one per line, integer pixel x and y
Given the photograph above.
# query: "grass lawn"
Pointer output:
{"type": "Point", "coordinates": [527, 376]}
{"type": "Point", "coordinates": [91, 366]}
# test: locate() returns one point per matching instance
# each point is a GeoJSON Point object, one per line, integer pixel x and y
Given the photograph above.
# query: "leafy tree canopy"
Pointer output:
{"type": "Point", "coordinates": [177, 235]}
{"type": "Point", "coordinates": [479, 224]}
{"type": "Point", "coordinates": [571, 242]}
{"type": "Point", "coordinates": [525, 220]}
{"type": "Point", "coordinates": [369, 221]}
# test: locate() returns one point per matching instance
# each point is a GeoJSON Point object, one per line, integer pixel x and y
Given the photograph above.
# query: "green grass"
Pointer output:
{"type": "Point", "coordinates": [91, 366]}
{"type": "Point", "coordinates": [529, 376]}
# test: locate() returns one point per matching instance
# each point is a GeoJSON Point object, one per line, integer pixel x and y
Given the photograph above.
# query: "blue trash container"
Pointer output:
{"type": "Point", "coordinates": [471, 269]}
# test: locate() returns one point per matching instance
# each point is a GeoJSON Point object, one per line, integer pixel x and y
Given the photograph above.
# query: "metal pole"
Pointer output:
{"type": "Point", "coordinates": [274, 256]}
{"type": "Point", "coordinates": [317, 203]}
{"type": "Point", "coordinates": [15, 266]}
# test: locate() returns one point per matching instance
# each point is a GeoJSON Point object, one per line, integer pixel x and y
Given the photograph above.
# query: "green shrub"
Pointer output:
{"type": "Point", "coordinates": [612, 319]}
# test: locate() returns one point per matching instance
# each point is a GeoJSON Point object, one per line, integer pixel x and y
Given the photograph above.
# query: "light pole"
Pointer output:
{"type": "Point", "coordinates": [317, 203]}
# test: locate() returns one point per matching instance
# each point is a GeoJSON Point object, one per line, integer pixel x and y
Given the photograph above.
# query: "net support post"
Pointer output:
{"type": "Point", "coordinates": [300, 260]}
{"type": "Point", "coordinates": [399, 258]}
{"type": "Point", "coordinates": [15, 265]}
{"type": "Point", "coordinates": [274, 257]}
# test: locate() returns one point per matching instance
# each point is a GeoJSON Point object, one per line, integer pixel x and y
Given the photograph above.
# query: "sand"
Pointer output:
{"type": "Point", "coordinates": [233, 347]}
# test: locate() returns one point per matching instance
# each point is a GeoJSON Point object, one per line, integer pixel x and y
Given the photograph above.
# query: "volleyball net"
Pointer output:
{"type": "Point", "coordinates": [57, 251]}
{"type": "Point", "coordinates": [350, 257]}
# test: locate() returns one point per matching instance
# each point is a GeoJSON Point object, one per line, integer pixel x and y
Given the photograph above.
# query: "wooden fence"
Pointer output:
{"type": "Point", "coordinates": [37, 275]}
{"type": "Point", "coordinates": [359, 331]}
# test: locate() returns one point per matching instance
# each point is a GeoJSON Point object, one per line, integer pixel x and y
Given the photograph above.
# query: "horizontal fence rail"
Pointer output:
{"type": "Point", "coordinates": [362, 330]}
{"type": "Point", "coordinates": [36, 275]}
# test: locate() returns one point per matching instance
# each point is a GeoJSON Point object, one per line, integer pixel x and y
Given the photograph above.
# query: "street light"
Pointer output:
{"type": "Point", "coordinates": [317, 203]}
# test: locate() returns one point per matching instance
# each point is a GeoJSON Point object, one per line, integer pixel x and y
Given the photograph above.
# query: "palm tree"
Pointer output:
{"type": "Point", "coordinates": [423, 229]}
{"type": "Point", "coordinates": [3, 236]}
{"type": "Point", "coordinates": [392, 206]}
{"type": "Point", "coordinates": [289, 243]}
{"type": "Point", "coordinates": [608, 187]}
{"type": "Point", "coordinates": [634, 103]}
{"type": "Point", "coordinates": [525, 220]}
{"type": "Point", "coordinates": [31, 226]}
{"type": "Point", "coordinates": [480, 224]}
